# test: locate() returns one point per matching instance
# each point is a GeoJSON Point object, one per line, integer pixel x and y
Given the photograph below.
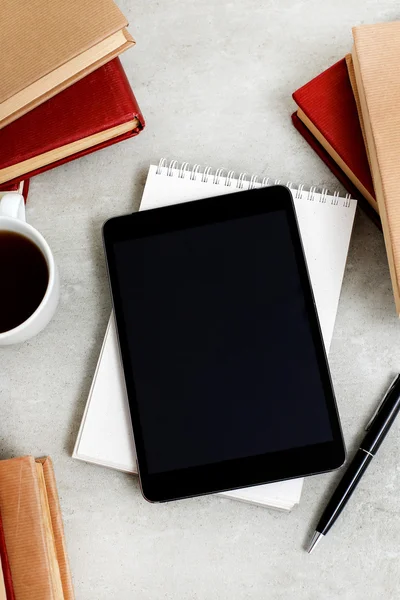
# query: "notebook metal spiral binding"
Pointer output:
{"type": "Point", "coordinates": [207, 175]}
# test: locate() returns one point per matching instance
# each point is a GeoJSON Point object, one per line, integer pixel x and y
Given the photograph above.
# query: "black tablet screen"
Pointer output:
{"type": "Point", "coordinates": [220, 343]}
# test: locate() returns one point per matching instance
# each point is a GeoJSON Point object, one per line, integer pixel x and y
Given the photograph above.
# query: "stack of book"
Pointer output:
{"type": "Point", "coordinates": [63, 94]}
{"type": "Point", "coordinates": [349, 116]}
{"type": "Point", "coordinates": [33, 557]}
{"type": "Point", "coordinates": [63, 91]}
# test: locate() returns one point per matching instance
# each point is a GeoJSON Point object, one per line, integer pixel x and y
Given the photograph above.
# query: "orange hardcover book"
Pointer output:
{"type": "Point", "coordinates": [376, 67]}
{"type": "Point", "coordinates": [33, 530]}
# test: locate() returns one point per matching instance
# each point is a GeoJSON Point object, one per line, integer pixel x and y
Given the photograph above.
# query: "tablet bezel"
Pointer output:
{"type": "Point", "coordinates": [244, 472]}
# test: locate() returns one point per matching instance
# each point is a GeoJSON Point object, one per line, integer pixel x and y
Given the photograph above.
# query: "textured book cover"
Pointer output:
{"type": "Point", "coordinates": [328, 109]}
{"type": "Point", "coordinates": [376, 54]}
{"type": "Point", "coordinates": [34, 539]}
{"type": "Point", "coordinates": [50, 45]}
{"type": "Point", "coordinates": [95, 112]}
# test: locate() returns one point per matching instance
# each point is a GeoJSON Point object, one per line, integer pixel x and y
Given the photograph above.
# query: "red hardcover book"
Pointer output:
{"type": "Point", "coordinates": [5, 566]}
{"type": "Point", "coordinates": [328, 109]}
{"type": "Point", "coordinates": [95, 112]}
{"type": "Point", "coordinates": [336, 170]}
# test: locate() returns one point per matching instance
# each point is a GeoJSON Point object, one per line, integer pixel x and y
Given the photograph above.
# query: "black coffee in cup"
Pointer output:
{"type": "Point", "coordinates": [24, 277]}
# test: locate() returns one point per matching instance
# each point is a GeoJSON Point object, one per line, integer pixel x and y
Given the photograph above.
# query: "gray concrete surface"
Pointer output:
{"type": "Point", "coordinates": [214, 80]}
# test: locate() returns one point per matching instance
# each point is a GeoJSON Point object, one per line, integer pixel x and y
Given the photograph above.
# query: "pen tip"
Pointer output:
{"type": "Point", "coordinates": [314, 541]}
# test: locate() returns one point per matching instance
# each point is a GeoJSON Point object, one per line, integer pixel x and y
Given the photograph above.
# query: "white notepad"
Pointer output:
{"type": "Point", "coordinates": [105, 436]}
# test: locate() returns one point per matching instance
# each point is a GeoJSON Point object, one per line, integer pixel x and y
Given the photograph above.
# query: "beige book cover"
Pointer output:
{"type": "Point", "coordinates": [46, 46]}
{"type": "Point", "coordinates": [33, 530]}
{"type": "Point", "coordinates": [375, 55]}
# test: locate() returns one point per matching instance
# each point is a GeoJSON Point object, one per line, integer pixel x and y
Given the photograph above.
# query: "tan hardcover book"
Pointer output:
{"type": "Point", "coordinates": [33, 530]}
{"type": "Point", "coordinates": [47, 46]}
{"type": "Point", "coordinates": [375, 55]}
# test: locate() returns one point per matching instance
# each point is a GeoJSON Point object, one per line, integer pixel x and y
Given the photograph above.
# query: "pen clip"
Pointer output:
{"type": "Point", "coordinates": [381, 403]}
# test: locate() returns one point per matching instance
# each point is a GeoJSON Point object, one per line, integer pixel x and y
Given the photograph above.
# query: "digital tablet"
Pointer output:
{"type": "Point", "coordinates": [225, 367]}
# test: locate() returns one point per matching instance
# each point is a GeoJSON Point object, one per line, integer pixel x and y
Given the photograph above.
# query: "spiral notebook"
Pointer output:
{"type": "Point", "coordinates": [325, 220]}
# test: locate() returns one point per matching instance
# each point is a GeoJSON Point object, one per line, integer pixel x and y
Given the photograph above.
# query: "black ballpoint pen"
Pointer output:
{"type": "Point", "coordinates": [377, 429]}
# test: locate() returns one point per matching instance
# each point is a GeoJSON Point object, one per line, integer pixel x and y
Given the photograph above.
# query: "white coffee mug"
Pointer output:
{"type": "Point", "coordinates": [12, 218]}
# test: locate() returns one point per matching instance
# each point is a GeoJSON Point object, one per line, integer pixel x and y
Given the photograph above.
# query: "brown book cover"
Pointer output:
{"type": "Point", "coordinates": [50, 45]}
{"type": "Point", "coordinates": [376, 58]}
{"type": "Point", "coordinates": [33, 531]}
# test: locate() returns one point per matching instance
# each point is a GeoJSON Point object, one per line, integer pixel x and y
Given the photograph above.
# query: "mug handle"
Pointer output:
{"type": "Point", "coordinates": [13, 205]}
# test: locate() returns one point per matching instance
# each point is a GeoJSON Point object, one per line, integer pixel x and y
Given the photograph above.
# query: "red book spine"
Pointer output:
{"type": "Point", "coordinates": [5, 565]}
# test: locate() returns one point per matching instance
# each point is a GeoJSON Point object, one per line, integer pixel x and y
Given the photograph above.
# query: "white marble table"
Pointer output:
{"type": "Point", "coordinates": [214, 80]}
